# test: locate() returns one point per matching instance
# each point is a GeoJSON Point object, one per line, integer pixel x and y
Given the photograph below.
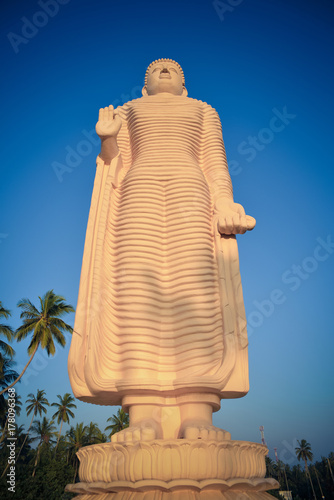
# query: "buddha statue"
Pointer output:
{"type": "Point", "coordinates": [160, 326]}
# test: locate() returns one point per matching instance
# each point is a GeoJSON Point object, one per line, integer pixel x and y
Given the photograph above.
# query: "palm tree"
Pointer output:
{"type": "Point", "coordinates": [36, 406]}
{"type": "Point", "coordinates": [270, 467]}
{"type": "Point", "coordinates": [18, 405]}
{"type": "Point", "coordinates": [64, 413]}
{"type": "Point", "coordinates": [21, 437]}
{"type": "Point", "coordinates": [119, 422]}
{"type": "Point", "coordinates": [318, 480]}
{"type": "Point", "coordinates": [92, 433]}
{"type": "Point", "coordinates": [44, 431]}
{"type": "Point", "coordinates": [7, 375]}
{"type": "Point", "coordinates": [4, 413]}
{"type": "Point", "coordinates": [100, 437]}
{"type": "Point", "coordinates": [7, 332]}
{"type": "Point", "coordinates": [23, 440]}
{"type": "Point", "coordinates": [304, 452]}
{"type": "Point", "coordinates": [77, 438]}
{"type": "Point", "coordinates": [46, 325]}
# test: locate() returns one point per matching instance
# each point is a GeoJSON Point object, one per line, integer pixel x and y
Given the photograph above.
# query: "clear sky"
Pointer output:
{"type": "Point", "coordinates": [266, 66]}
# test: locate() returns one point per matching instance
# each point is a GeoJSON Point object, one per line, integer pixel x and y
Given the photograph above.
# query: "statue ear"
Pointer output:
{"type": "Point", "coordinates": [185, 92]}
{"type": "Point", "coordinates": [144, 90]}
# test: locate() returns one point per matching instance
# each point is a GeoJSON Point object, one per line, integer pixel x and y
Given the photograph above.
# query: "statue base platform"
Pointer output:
{"type": "Point", "coordinates": [178, 469]}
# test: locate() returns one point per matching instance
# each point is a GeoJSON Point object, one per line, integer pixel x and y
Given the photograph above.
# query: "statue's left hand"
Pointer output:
{"type": "Point", "coordinates": [232, 218]}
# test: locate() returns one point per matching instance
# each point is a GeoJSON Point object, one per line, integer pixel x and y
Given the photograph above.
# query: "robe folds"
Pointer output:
{"type": "Point", "coordinates": [160, 308]}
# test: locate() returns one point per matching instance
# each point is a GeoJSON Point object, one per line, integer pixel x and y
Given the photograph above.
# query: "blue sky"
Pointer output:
{"type": "Point", "coordinates": [266, 67]}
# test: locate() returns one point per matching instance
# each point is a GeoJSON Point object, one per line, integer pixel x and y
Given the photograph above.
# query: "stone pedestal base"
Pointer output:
{"type": "Point", "coordinates": [176, 469]}
{"type": "Point", "coordinates": [178, 495]}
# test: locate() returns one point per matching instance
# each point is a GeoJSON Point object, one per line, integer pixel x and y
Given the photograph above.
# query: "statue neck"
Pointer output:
{"type": "Point", "coordinates": [164, 94]}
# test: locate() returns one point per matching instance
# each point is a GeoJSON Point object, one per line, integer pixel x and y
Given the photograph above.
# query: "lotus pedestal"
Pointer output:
{"type": "Point", "coordinates": [178, 469]}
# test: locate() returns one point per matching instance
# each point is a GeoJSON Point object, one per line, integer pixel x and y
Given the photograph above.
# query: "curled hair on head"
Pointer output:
{"type": "Point", "coordinates": [162, 61]}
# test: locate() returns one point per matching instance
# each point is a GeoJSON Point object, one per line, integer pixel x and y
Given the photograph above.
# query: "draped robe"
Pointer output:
{"type": "Point", "coordinates": [160, 308]}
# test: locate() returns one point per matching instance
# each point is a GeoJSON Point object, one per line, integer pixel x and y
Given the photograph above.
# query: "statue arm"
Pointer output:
{"type": "Point", "coordinates": [107, 128]}
{"type": "Point", "coordinates": [115, 144]}
{"type": "Point", "coordinates": [231, 216]}
{"type": "Point", "coordinates": [214, 157]}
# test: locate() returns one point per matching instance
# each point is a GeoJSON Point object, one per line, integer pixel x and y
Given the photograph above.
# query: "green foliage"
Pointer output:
{"type": "Point", "coordinates": [45, 323]}
{"type": "Point", "coordinates": [7, 331]}
{"type": "Point", "coordinates": [46, 326]}
{"type": "Point", "coordinates": [304, 451]}
{"type": "Point", "coordinates": [298, 482]}
{"type": "Point", "coordinates": [119, 422]}
{"type": "Point", "coordinates": [43, 471]}
{"type": "Point", "coordinates": [64, 413]}
{"type": "Point", "coordinates": [52, 473]}
{"type": "Point", "coordinates": [49, 482]}
{"type": "Point", "coordinates": [7, 372]}
{"type": "Point", "coordinates": [36, 404]}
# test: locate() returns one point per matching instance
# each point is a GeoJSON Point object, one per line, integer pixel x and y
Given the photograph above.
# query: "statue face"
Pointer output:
{"type": "Point", "coordinates": [164, 77]}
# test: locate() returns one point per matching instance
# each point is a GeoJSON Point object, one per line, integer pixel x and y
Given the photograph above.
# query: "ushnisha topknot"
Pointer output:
{"type": "Point", "coordinates": [164, 60]}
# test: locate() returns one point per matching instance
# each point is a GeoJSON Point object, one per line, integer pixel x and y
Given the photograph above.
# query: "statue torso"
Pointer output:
{"type": "Point", "coordinates": [165, 134]}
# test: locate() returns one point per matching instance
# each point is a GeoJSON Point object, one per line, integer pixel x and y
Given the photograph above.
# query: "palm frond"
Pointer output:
{"type": "Point", "coordinates": [59, 323]}
{"type": "Point", "coordinates": [6, 349]}
{"type": "Point", "coordinates": [58, 335]}
{"type": "Point", "coordinates": [7, 331]}
{"type": "Point", "coordinates": [4, 312]}
{"type": "Point", "coordinates": [23, 330]}
{"type": "Point", "coordinates": [27, 307]}
{"type": "Point", "coordinates": [7, 374]}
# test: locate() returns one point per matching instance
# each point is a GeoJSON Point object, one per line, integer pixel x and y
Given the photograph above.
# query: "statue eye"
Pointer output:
{"type": "Point", "coordinates": [173, 69]}
{"type": "Point", "coordinates": [156, 69]}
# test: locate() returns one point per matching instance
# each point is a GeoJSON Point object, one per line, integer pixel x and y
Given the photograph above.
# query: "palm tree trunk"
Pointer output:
{"type": "Point", "coordinates": [25, 439]}
{"type": "Point", "coordinates": [61, 425]}
{"type": "Point", "coordinates": [4, 471]}
{"type": "Point", "coordinates": [286, 479]}
{"type": "Point", "coordinates": [4, 429]}
{"type": "Point", "coordinates": [310, 479]}
{"type": "Point", "coordinates": [23, 371]}
{"type": "Point", "coordinates": [36, 461]}
{"type": "Point", "coordinates": [316, 475]}
{"type": "Point", "coordinates": [19, 453]}
{"type": "Point", "coordinates": [76, 469]}
{"type": "Point", "coordinates": [330, 469]}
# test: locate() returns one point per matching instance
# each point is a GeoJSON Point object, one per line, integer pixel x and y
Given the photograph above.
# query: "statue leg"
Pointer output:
{"type": "Point", "coordinates": [145, 424]}
{"type": "Point", "coordinates": [196, 423]}
{"type": "Point", "coordinates": [188, 416]}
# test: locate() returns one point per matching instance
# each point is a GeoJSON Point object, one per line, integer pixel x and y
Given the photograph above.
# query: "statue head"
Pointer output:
{"type": "Point", "coordinates": [164, 75]}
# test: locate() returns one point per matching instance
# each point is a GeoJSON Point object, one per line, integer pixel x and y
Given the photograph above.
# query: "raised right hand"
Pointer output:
{"type": "Point", "coordinates": [109, 123]}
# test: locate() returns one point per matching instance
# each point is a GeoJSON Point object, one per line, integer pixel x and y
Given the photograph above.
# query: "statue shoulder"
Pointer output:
{"type": "Point", "coordinates": [204, 105]}
{"type": "Point", "coordinates": [124, 109]}
{"type": "Point", "coordinates": [207, 110]}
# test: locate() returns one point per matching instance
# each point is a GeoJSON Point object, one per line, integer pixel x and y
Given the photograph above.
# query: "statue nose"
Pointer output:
{"type": "Point", "coordinates": [164, 70]}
